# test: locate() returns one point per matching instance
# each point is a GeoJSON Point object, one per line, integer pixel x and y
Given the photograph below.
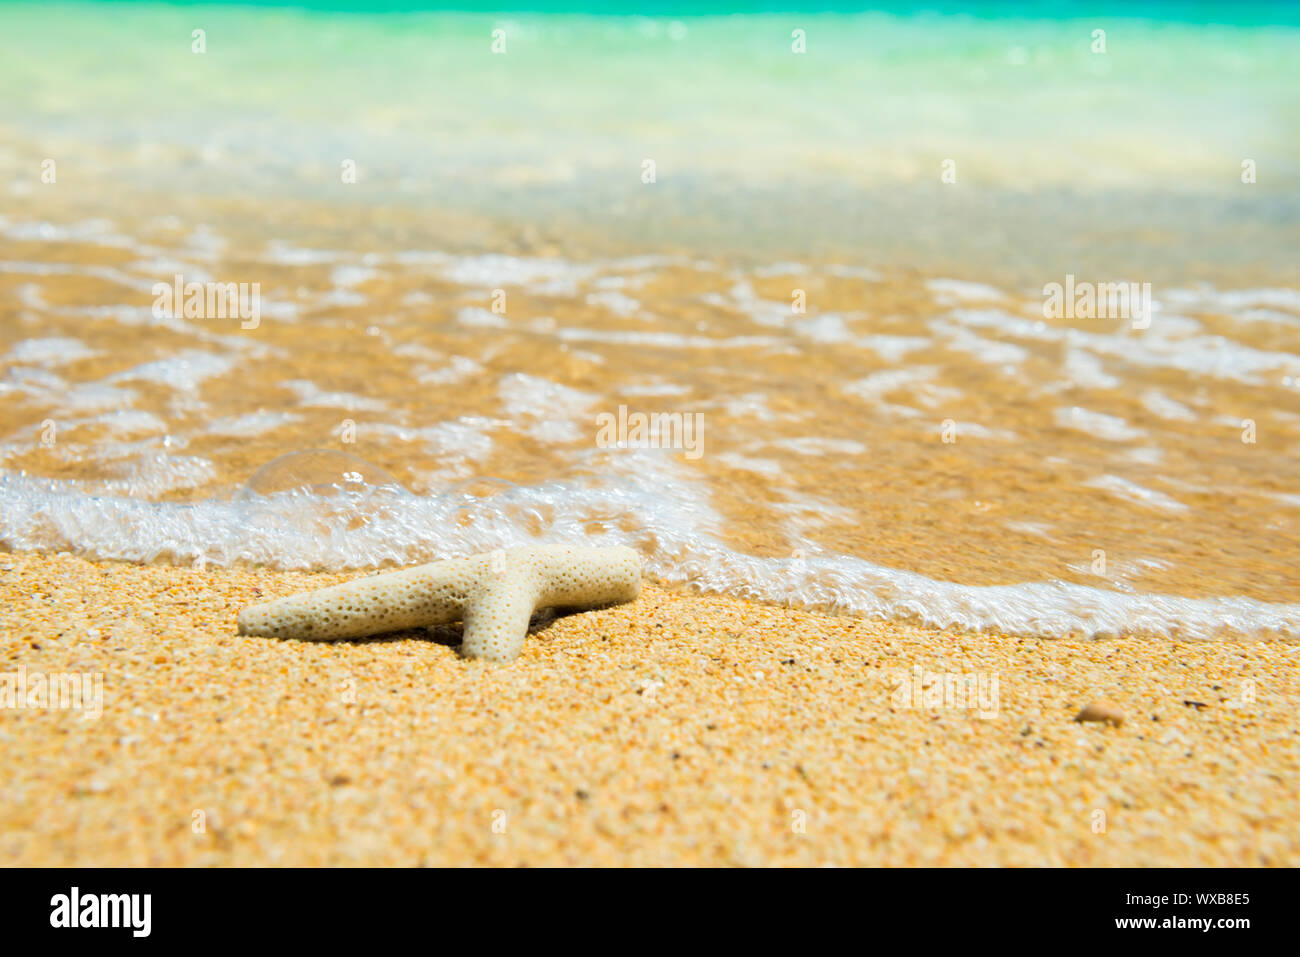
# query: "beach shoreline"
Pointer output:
{"type": "Point", "coordinates": [674, 730]}
{"type": "Point", "coordinates": [943, 371]}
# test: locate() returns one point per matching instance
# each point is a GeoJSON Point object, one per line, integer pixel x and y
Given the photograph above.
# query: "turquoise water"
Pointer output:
{"type": "Point", "coordinates": [875, 97]}
{"type": "Point", "coordinates": [845, 142]}
{"type": "Point", "coordinates": [1215, 11]}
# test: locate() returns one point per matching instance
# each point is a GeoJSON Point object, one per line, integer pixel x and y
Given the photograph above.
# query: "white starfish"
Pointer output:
{"type": "Point", "coordinates": [494, 594]}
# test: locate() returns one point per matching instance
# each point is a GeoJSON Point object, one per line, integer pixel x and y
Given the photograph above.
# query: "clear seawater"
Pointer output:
{"type": "Point", "coordinates": [827, 477]}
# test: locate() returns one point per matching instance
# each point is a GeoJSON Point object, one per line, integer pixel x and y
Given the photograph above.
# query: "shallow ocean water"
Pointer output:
{"type": "Point", "coordinates": [861, 403]}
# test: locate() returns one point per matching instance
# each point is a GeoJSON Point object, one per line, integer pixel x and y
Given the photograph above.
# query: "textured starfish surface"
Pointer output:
{"type": "Point", "coordinates": [494, 594]}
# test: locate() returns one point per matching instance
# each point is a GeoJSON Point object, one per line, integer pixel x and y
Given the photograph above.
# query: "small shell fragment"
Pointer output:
{"type": "Point", "coordinates": [1102, 710]}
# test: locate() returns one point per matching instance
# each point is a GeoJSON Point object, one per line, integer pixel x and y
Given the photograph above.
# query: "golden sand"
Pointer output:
{"type": "Point", "coordinates": [674, 730]}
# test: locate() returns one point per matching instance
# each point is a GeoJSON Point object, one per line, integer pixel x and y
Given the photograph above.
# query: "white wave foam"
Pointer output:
{"type": "Point", "coordinates": [1133, 492]}
{"type": "Point", "coordinates": [283, 253]}
{"type": "Point", "coordinates": [100, 232]}
{"type": "Point", "coordinates": [643, 503]}
{"type": "Point", "coordinates": [458, 369]}
{"type": "Point", "coordinates": [52, 351]}
{"type": "Point", "coordinates": [618, 303]}
{"type": "Point", "coordinates": [310, 395]}
{"type": "Point", "coordinates": [827, 329]}
{"type": "Point", "coordinates": [467, 439]}
{"type": "Point", "coordinates": [1098, 424]}
{"type": "Point", "coordinates": [893, 348]}
{"type": "Point", "coordinates": [664, 340]}
{"type": "Point", "coordinates": [1085, 371]}
{"type": "Point", "coordinates": [544, 409]}
{"type": "Point", "coordinates": [989, 351]}
{"type": "Point", "coordinates": [556, 277]}
{"type": "Point", "coordinates": [950, 290]}
{"type": "Point", "coordinates": [1160, 404]}
{"type": "Point", "coordinates": [816, 445]}
{"type": "Point", "coordinates": [183, 372]}
{"type": "Point", "coordinates": [253, 423]}
{"type": "Point", "coordinates": [479, 318]}
{"type": "Point", "coordinates": [974, 430]}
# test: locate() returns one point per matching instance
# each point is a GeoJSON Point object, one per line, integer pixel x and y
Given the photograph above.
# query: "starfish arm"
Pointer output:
{"type": "Point", "coordinates": [580, 576]}
{"type": "Point", "coordinates": [417, 597]}
{"type": "Point", "coordinates": [496, 620]}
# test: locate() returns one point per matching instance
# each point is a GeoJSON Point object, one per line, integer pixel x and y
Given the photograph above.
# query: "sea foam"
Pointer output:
{"type": "Point", "coordinates": [648, 506]}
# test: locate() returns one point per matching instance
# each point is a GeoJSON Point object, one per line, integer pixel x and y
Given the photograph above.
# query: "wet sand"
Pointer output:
{"type": "Point", "coordinates": [825, 426]}
{"type": "Point", "coordinates": [674, 730]}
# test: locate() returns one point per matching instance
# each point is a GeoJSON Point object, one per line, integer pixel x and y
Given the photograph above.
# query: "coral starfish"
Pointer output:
{"type": "Point", "coordinates": [494, 594]}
